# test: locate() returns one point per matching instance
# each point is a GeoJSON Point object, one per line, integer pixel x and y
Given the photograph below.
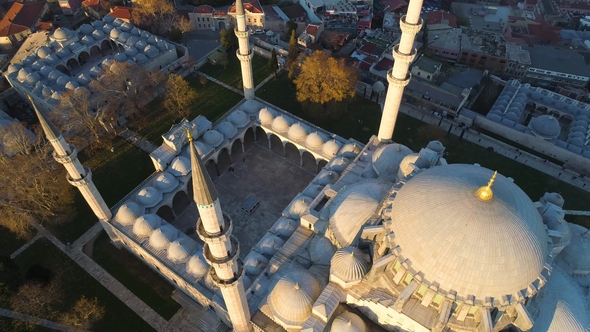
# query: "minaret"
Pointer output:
{"type": "Point", "coordinates": [79, 176]}
{"type": "Point", "coordinates": [244, 53]}
{"type": "Point", "coordinates": [221, 249]}
{"type": "Point", "coordinates": [398, 77]}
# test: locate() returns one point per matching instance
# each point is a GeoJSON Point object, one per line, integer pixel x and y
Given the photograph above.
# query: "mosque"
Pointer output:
{"type": "Point", "coordinates": [382, 239]}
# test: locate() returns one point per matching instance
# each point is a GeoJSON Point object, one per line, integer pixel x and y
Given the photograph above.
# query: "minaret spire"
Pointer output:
{"type": "Point", "coordinates": [398, 77]}
{"type": "Point", "coordinates": [221, 249]}
{"type": "Point", "coordinates": [244, 53]}
{"type": "Point", "coordinates": [79, 176]}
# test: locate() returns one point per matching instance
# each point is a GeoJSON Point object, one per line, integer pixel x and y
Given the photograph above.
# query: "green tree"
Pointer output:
{"type": "Point", "coordinates": [228, 38]}
{"type": "Point", "coordinates": [325, 79]}
{"type": "Point", "coordinates": [273, 63]}
{"type": "Point", "coordinates": [179, 95]}
{"type": "Point", "coordinates": [291, 26]}
{"type": "Point", "coordinates": [293, 50]}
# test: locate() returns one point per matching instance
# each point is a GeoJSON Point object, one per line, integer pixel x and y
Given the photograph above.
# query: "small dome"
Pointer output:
{"type": "Point", "coordinates": [436, 146]}
{"type": "Point", "coordinates": [270, 244]}
{"type": "Point", "coordinates": [47, 92]}
{"type": "Point", "coordinates": [312, 190]}
{"type": "Point", "coordinates": [146, 224]}
{"type": "Point", "coordinates": [251, 106]}
{"type": "Point", "coordinates": [239, 119]}
{"type": "Point", "coordinates": [349, 264]}
{"type": "Point", "coordinates": [71, 85]}
{"type": "Point", "coordinates": [553, 198]}
{"type": "Point", "coordinates": [120, 57]}
{"type": "Point", "coordinates": [181, 249]}
{"type": "Point", "coordinates": [378, 87]}
{"type": "Point", "coordinates": [123, 36]}
{"type": "Point", "coordinates": [141, 45]}
{"type": "Point", "coordinates": [152, 40]}
{"type": "Point", "coordinates": [350, 150]}
{"type": "Point", "coordinates": [43, 52]}
{"type": "Point", "coordinates": [62, 81]}
{"type": "Point", "coordinates": [130, 51]}
{"type": "Point", "coordinates": [545, 126]}
{"type": "Point", "coordinates": [86, 29]}
{"type": "Point", "coordinates": [13, 67]}
{"type": "Point", "coordinates": [32, 78]}
{"type": "Point", "coordinates": [213, 138]}
{"type": "Point", "coordinates": [292, 298]}
{"type": "Point", "coordinates": [108, 18]}
{"type": "Point", "coordinates": [338, 164]}
{"type": "Point", "coordinates": [165, 182]}
{"type": "Point", "coordinates": [22, 75]}
{"type": "Point", "coordinates": [266, 116]}
{"type": "Point", "coordinates": [180, 166]}
{"type": "Point", "coordinates": [321, 250]}
{"type": "Point", "coordinates": [115, 33]}
{"type": "Point", "coordinates": [150, 51]}
{"type": "Point", "coordinates": [285, 227]}
{"type": "Point", "coordinates": [280, 124]}
{"type": "Point", "coordinates": [348, 322]}
{"type": "Point", "coordinates": [161, 45]}
{"type": "Point", "coordinates": [135, 31]}
{"type": "Point", "coordinates": [98, 34]}
{"type": "Point", "coordinates": [576, 254]}
{"type": "Point", "coordinates": [314, 141]}
{"type": "Point", "coordinates": [299, 206]}
{"type": "Point", "coordinates": [84, 78]}
{"type": "Point", "coordinates": [326, 177]}
{"type": "Point", "coordinates": [126, 26]}
{"type": "Point", "coordinates": [387, 158]}
{"type": "Point", "coordinates": [149, 196]}
{"type": "Point", "coordinates": [60, 35]}
{"type": "Point", "coordinates": [163, 236]}
{"type": "Point", "coordinates": [128, 213]}
{"type": "Point", "coordinates": [197, 266]}
{"type": "Point", "coordinates": [227, 129]}
{"type": "Point", "coordinates": [297, 132]}
{"type": "Point", "coordinates": [141, 58]}
{"type": "Point", "coordinates": [254, 264]}
{"type": "Point", "coordinates": [331, 148]}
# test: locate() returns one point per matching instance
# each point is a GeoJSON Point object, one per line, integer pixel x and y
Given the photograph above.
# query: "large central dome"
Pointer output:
{"type": "Point", "coordinates": [474, 247]}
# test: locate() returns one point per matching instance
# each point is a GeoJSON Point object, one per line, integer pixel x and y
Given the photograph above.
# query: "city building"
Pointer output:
{"type": "Point", "coordinates": [345, 15]}
{"type": "Point", "coordinates": [93, 8]}
{"type": "Point", "coordinates": [52, 63]}
{"type": "Point", "coordinates": [440, 20]}
{"type": "Point", "coordinates": [552, 66]}
{"type": "Point", "coordinates": [254, 14]}
{"type": "Point", "coordinates": [296, 13]}
{"type": "Point", "coordinates": [70, 7]}
{"type": "Point", "coordinates": [20, 21]}
{"type": "Point", "coordinates": [426, 69]}
{"type": "Point", "coordinates": [518, 61]}
{"type": "Point", "coordinates": [205, 17]}
{"type": "Point", "coordinates": [483, 17]}
{"type": "Point", "coordinates": [482, 49]}
{"type": "Point", "coordinates": [445, 44]}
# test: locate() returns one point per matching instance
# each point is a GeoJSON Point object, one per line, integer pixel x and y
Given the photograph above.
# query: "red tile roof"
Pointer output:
{"type": "Point", "coordinates": [122, 12]}
{"type": "Point", "coordinates": [384, 64]}
{"type": "Point", "coordinates": [204, 9]}
{"type": "Point", "coordinates": [312, 29]}
{"type": "Point", "coordinates": [47, 26]}
{"type": "Point", "coordinates": [252, 6]}
{"type": "Point", "coordinates": [391, 5]}
{"type": "Point", "coordinates": [436, 17]}
{"type": "Point", "coordinates": [21, 17]}
{"type": "Point", "coordinates": [94, 4]}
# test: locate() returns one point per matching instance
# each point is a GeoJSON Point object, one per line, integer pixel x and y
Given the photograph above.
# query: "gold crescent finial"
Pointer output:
{"type": "Point", "coordinates": [189, 136]}
{"type": "Point", "coordinates": [485, 193]}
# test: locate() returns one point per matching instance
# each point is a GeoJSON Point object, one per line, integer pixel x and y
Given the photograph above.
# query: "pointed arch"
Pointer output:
{"type": "Point", "coordinates": [309, 162]}
{"type": "Point", "coordinates": [236, 150]}
{"type": "Point", "coordinates": [165, 212]}
{"type": "Point", "coordinates": [276, 145]}
{"type": "Point", "coordinates": [83, 57]}
{"type": "Point", "coordinates": [63, 69]}
{"type": "Point", "coordinates": [72, 63]}
{"type": "Point", "coordinates": [212, 169]}
{"type": "Point", "coordinates": [106, 45]}
{"type": "Point", "coordinates": [94, 50]}
{"type": "Point", "coordinates": [321, 164]}
{"type": "Point", "coordinates": [224, 160]}
{"type": "Point", "coordinates": [261, 137]}
{"type": "Point", "coordinates": [292, 153]}
{"type": "Point", "coordinates": [180, 202]}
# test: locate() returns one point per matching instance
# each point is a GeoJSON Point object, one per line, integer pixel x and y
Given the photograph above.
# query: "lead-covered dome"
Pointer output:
{"type": "Point", "coordinates": [180, 166]}
{"type": "Point", "coordinates": [146, 224]}
{"type": "Point", "coordinates": [197, 266]}
{"type": "Point", "coordinates": [165, 182]}
{"type": "Point", "coordinates": [239, 119]}
{"type": "Point", "coordinates": [474, 247]}
{"type": "Point", "coordinates": [292, 298]}
{"type": "Point", "coordinates": [149, 196]}
{"type": "Point", "coordinates": [181, 249]}
{"type": "Point", "coordinates": [349, 264]}
{"type": "Point", "coordinates": [321, 250]}
{"type": "Point", "coordinates": [128, 212]}
{"type": "Point", "coordinates": [161, 237]}
{"type": "Point", "coordinates": [545, 126]}
{"type": "Point", "coordinates": [297, 132]}
{"type": "Point", "coordinates": [266, 116]}
{"type": "Point", "coordinates": [387, 158]}
{"type": "Point", "coordinates": [348, 322]}
{"type": "Point", "coordinates": [577, 253]}
{"type": "Point", "coordinates": [280, 124]}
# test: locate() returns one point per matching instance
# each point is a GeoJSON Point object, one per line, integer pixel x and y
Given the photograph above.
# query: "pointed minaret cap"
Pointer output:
{"type": "Point", "coordinates": [239, 7]}
{"type": "Point", "coordinates": [204, 192]}
{"type": "Point", "coordinates": [49, 128]}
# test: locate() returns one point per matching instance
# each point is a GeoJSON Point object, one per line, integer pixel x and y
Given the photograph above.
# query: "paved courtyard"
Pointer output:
{"type": "Point", "coordinates": [275, 180]}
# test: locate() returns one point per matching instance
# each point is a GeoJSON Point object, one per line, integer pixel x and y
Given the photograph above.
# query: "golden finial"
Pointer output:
{"type": "Point", "coordinates": [189, 136]}
{"type": "Point", "coordinates": [485, 193]}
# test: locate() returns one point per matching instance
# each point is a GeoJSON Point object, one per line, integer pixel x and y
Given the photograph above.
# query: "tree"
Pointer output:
{"type": "Point", "coordinates": [293, 49]}
{"type": "Point", "coordinates": [82, 110]}
{"type": "Point", "coordinates": [291, 26]}
{"type": "Point", "coordinates": [36, 299]}
{"type": "Point", "coordinates": [323, 79]}
{"type": "Point", "coordinates": [228, 38]}
{"type": "Point", "coordinates": [273, 63]}
{"type": "Point", "coordinates": [179, 95]}
{"type": "Point", "coordinates": [84, 313]}
{"type": "Point", "coordinates": [184, 26]}
{"type": "Point", "coordinates": [16, 138]}
{"type": "Point", "coordinates": [157, 16]}
{"type": "Point", "coordinates": [223, 60]}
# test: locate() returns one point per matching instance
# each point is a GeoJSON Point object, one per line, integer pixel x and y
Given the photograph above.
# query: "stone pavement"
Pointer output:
{"type": "Point", "coordinates": [137, 140]}
{"type": "Point", "coordinates": [38, 321]}
{"type": "Point", "coordinates": [213, 79]}
{"type": "Point", "coordinates": [265, 80]}
{"type": "Point", "coordinates": [25, 246]}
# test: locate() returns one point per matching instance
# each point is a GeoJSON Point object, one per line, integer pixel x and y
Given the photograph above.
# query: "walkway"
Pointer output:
{"type": "Point", "coordinates": [137, 140]}
{"type": "Point", "coordinates": [38, 321]}
{"type": "Point", "coordinates": [213, 79]}
{"type": "Point", "coordinates": [266, 80]}
{"type": "Point", "coordinates": [25, 246]}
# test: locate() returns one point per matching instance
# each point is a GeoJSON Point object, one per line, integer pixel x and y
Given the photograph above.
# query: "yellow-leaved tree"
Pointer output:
{"type": "Point", "coordinates": [323, 79]}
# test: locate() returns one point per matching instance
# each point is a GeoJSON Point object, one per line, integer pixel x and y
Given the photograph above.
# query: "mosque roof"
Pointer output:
{"type": "Point", "coordinates": [545, 126]}
{"type": "Point", "coordinates": [474, 247]}
{"type": "Point", "coordinates": [165, 182]}
{"type": "Point", "coordinates": [181, 249]}
{"type": "Point", "coordinates": [321, 250]}
{"type": "Point", "coordinates": [146, 224]}
{"type": "Point", "coordinates": [577, 253]}
{"type": "Point", "coordinates": [349, 264]}
{"type": "Point", "coordinates": [387, 158]}
{"type": "Point", "coordinates": [197, 266]}
{"type": "Point", "coordinates": [128, 212]}
{"type": "Point", "coordinates": [292, 298]}
{"type": "Point", "coordinates": [348, 322]}
{"type": "Point", "coordinates": [163, 236]}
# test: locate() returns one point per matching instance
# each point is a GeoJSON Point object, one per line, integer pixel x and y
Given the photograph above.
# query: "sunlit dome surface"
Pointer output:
{"type": "Point", "coordinates": [349, 264]}
{"type": "Point", "coordinates": [348, 322]}
{"type": "Point", "coordinates": [331, 148]}
{"type": "Point", "coordinates": [146, 225]}
{"type": "Point", "coordinates": [163, 236]}
{"type": "Point", "coordinates": [149, 196]}
{"type": "Point", "coordinates": [280, 124]}
{"type": "Point", "coordinates": [455, 239]}
{"type": "Point", "coordinates": [292, 298]}
{"type": "Point", "coordinates": [387, 158]}
{"type": "Point", "coordinates": [266, 116]}
{"type": "Point", "coordinates": [128, 212]}
{"type": "Point", "coordinates": [321, 250]}
{"type": "Point", "coordinates": [297, 132]}
{"type": "Point", "coordinates": [197, 266]}
{"type": "Point", "coordinates": [165, 182]}
{"type": "Point", "coordinates": [181, 248]}
{"type": "Point", "coordinates": [180, 166]}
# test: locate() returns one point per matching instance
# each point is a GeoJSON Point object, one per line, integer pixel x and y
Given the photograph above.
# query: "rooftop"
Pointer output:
{"type": "Point", "coordinates": [121, 12]}
{"type": "Point", "coordinates": [441, 17]}
{"type": "Point", "coordinates": [251, 6]}
{"type": "Point", "coordinates": [449, 39]}
{"type": "Point", "coordinates": [483, 42]}
{"type": "Point", "coordinates": [447, 93]}
{"type": "Point", "coordinates": [518, 54]}
{"type": "Point", "coordinates": [428, 64]}
{"type": "Point", "coordinates": [20, 17]}
{"type": "Point", "coordinates": [294, 11]}
{"type": "Point", "coordinates": [559, 60]}
{"type": "Point", "coordinates": [483, 17]}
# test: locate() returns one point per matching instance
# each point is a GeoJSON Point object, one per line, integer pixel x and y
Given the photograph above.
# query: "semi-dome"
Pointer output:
{"type": "Point", "coordinates": [352, 207]}
{"type": "Point", "coordinates": [326, 177]}
{"type": "Point", "coordinates": [348, 322]}
{"type": "Point", "coordinates": [213, 138]}
{"type": "Point", "coordinates": [577, 254]}
{"type": "Point", "coordinates": [331, 148]}
{"type": "Point", "coordinates": [350, 150]}
{"type": "Point", "coordinates": [146, 224]}
{"type": "Point", "coordinates": [239, 119]}
{"type": "Point", "coordinates": [181, 249]}
{"type": "Point", "coordinates": [321, 250]}
{"type": "Point", "coordinates": [349, 264]}
{"type": "Point", "coordinates": [285, 227]}
{"type": "Point", "coordinates": [180, 166]}
{"type": "Point", "coordinates": [197, 266]}
{"type": "Point", "coordinates": [440, 212]}
{"type": "Point", "coordinates": [338, 164]}
{"type": "Point", "coordinates": [251, 106]}
{"type": "Point", "coordinates": [163, 236]}
{"type": "Point", "coordinates": [128, 213]}
{"type": "Point", "coordinates": [292, 298]}
{"type": "Point", "coordinates": [545, 126]}
{"type": "Point", "coordinates": [165, 182]}
{"type": "Point", "coordinates": [266, 116]}
{"type": "Point", "coordinates": [227, 129]}
{"type": "Point", "coordinates": [297, 132]}
{"type": "Point", "coordinates": [149, 196]}
{"type": "Point", "coordinates": [387, 158]}
{"type": "Point", "coordinates": [314, 141]}
{"type": "Point", "coordinates": [280, 124]}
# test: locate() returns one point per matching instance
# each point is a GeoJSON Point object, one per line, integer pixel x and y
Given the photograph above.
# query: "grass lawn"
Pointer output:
{"type": "Point", "coordinates": [232, 75]}
{"type": "Point", "coordinates": [146, 284]}
{"type": "Point", "coordinates": [9, 243]}
{"type": "Point", "coordinates": [281, 92]}
{"type": "Point", "coordinates": [213, 101]}
{"type": "Point", "coordinates": [115, 174]}
{"type": "Point", "coordinates": [75, 282]}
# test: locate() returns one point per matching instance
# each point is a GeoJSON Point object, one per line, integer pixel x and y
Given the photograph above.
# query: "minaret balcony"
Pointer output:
{"type": "Point", "coordinates": [67, 158]}
{"type": "Point", "coordinates": [212, 238]}
{"type": "Point", "coordinates": [83, 181]}
{"type": "Point", "coordinates": [409, 28]}
{"type": "Point", "coordinates": [405, 58]}
{"type": "Point", "coordinates": [242, 34]}
{"type": "Point", "coordinates": [396, 82]}
{"type": "Point", "coordinates": [223, 262]}
{"type": "Point", "coordinates": [244, 57]}
{"type": "Point", "coordinates": [222, 283]}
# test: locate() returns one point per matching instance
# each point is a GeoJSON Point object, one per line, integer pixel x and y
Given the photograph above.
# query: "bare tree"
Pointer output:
{"type": "Point", "coordinates": [179, 95]}
{"type": "Point", "coordinates": [81, 109]}
{"type": "Point", "coordinates": [184, 25]}
{"type": "Point", "coordinates": [84, 313]}
{"type": "Point", "coordinates": [17, 138]}
{"type": "Point", "coordinates": [157, 16]}
{"type": "Point", "coordinates": [36, 299]}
